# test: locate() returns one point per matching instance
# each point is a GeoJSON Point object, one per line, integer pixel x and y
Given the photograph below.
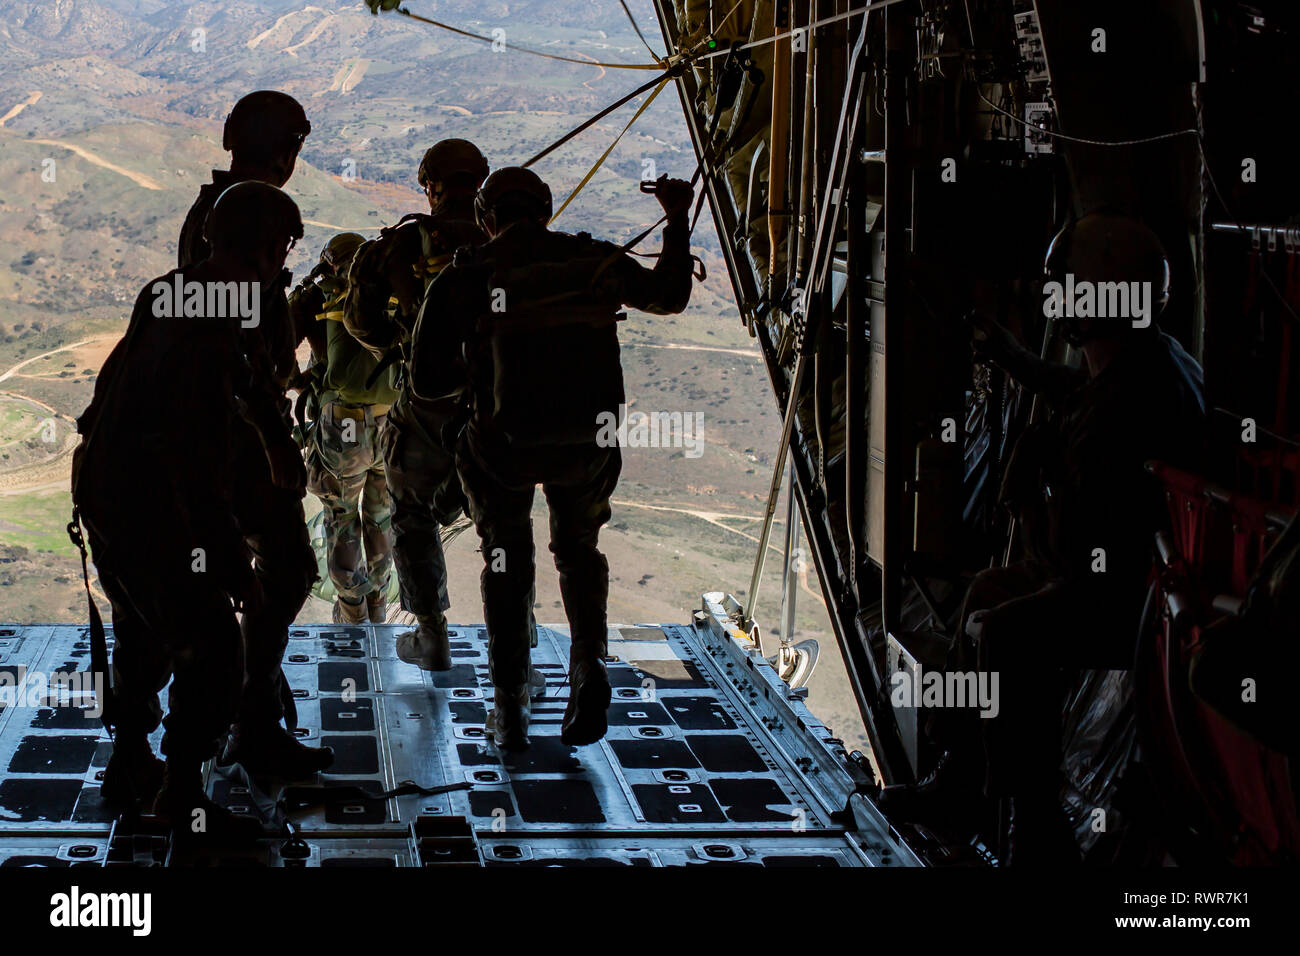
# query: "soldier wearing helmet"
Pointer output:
{"type": "Point", "coordinates": [264, 133]}
{"type": "Point", "coordinates": [385, 288]}
{"type": "Point", "coordinates": [174, 593]}
{"type": "Point", "coordinates": [534, 315]}
{"type": "Point", "coordinates": [344, 467]}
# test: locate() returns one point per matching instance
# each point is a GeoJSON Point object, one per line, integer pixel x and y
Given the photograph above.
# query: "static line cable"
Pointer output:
{"type": "Point", "coordinates": [377, 5]}
{"type": "Point", "coordinates": [824, 21]}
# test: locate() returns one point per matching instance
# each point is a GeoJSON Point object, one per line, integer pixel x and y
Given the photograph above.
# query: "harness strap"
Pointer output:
{"type": "Point", "coordinates": [98, 639]}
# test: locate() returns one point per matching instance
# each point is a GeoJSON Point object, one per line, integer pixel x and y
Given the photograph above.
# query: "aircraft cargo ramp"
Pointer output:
{"type": "Point", "coordinates": [710, 760]}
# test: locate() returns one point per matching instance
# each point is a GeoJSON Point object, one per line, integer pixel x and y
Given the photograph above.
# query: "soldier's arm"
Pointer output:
{"type": "Point", "coordinates": [1049, 379]}
{"type": "Point", "coordinates": [305, 303]}
{"type": "Point", "coordinates": [665, 289]}
{"type": "Point", "coordinates": [378, 267]}
{"type": "Point", "coordinates": [365, 316]}
{"type": "Point", "coordinates": [356, 367]}
{"type": "Point", "coordinates": [192, 248]}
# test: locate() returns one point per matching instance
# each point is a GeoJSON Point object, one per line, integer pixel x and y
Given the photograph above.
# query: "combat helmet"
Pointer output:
{"type": "Point", "coordinates": [449, 159]}
{"type": "Point", "coordinates": [263, 120]}
{"type": "Point", "coordinates": [252, 209]}
{"type": "Point", "coordinates": [513, 185]}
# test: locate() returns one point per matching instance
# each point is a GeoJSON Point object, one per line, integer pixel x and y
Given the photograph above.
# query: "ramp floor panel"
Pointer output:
{"type": "Point", "coordinates": [690, 771]}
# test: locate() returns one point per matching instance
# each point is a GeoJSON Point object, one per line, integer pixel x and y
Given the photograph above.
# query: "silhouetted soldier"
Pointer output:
{"type": "Point", "coordinates": [535, 314]}
{"type": "Point", "coordinates": [344, 467]}
{"type": "Point", "coordinates": [264, 134]}
{"type": "Point", "coordinates": [421, 471]}
{"type": "Point", "coordinates": [157, 440]}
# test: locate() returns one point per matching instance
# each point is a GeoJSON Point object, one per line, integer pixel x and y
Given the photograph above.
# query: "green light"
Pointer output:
{"type": "Point", "coordinates": [713, 44]}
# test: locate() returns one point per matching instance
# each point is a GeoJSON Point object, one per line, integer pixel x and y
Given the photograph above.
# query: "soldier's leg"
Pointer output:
{"type": "Point", "coordinates": [376, 531]}
{"type": "Point", "coordinates": [205, 647]}
{"type": "Point", "coordinates": [578, 511]}
{"type": "Point", "coordinates": [276, 532]}
{"type": "Point", "coordinates": [141, 669]}
{"type": "Point", "coordinates": [502, 517]}
{"type": "Point", "coordinates": [579, 506]}
{"type": "Point", "coordinates": [347, 450]}
{"type": "Point", "coordinates": [342, 538]}
{"type": "Point", "coordinates": [415, 468]}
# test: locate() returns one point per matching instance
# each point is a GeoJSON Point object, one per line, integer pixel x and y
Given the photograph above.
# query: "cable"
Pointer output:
{"type": "Point", "coordinates": [825, 21]}
{"type": "Point", "coordinates": [662, 65]}
{"type": "Point", "coordinates": [1079, 139]}
{"type": "Point", "coordinates": [632, 20]}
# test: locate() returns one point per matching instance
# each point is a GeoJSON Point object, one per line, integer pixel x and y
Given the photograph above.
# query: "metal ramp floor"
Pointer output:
{"type": "Point", "coordinates": [710, 759]}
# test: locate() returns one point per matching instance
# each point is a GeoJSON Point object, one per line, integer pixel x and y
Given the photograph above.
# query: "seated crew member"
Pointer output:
{"type": "Point", "coordinates": [1086, 512]}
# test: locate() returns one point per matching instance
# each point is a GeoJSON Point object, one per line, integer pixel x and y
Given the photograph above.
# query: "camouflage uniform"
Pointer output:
{"type": "Point", "coordinates": [346, 473]}
{"type": "Point", "coordinates": [421, 471]}
{"type": "Point", "coordinates": [346, 469]}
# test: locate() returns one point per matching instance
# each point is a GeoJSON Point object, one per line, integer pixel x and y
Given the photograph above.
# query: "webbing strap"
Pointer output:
{"type": "Point", "coordinates": [301, 797]}
{"type": "Point", "coordinates": [98, 639]}
{"type": "Point", "coordinates": [609, 149]}
{"type": "Point", "coordinates": [588, 123]}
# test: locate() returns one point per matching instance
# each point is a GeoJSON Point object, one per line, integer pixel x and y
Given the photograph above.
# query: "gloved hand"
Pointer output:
{"type": "Point", "coordinates": [675, 195]}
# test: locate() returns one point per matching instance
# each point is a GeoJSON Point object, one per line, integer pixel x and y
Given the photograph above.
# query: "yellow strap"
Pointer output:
{"type": "Point", "coordinates": [605, 155]}
{"type": "Point", "coordinates": [333, 316]}
{"type": "Point", "coordinates": [431, 265]}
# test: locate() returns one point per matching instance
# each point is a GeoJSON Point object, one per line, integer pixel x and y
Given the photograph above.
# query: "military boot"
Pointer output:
{"type": "Point", "coordinates": [428, 646]}
{"type": "Point", "coordinates": [586, 716]}
{"type": "Point", "coordinates": [268, 751]}
{"type": "Point", "coordinates": [345, 612]}
{"type": "Point", "coordinates": [377, 607]}
{"type": "Point", "coordinates": [194, 819]}
{"type": "Point", "coordinates": [133, 775]}
{"type": "Point", "coordinates": [507, 725]}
